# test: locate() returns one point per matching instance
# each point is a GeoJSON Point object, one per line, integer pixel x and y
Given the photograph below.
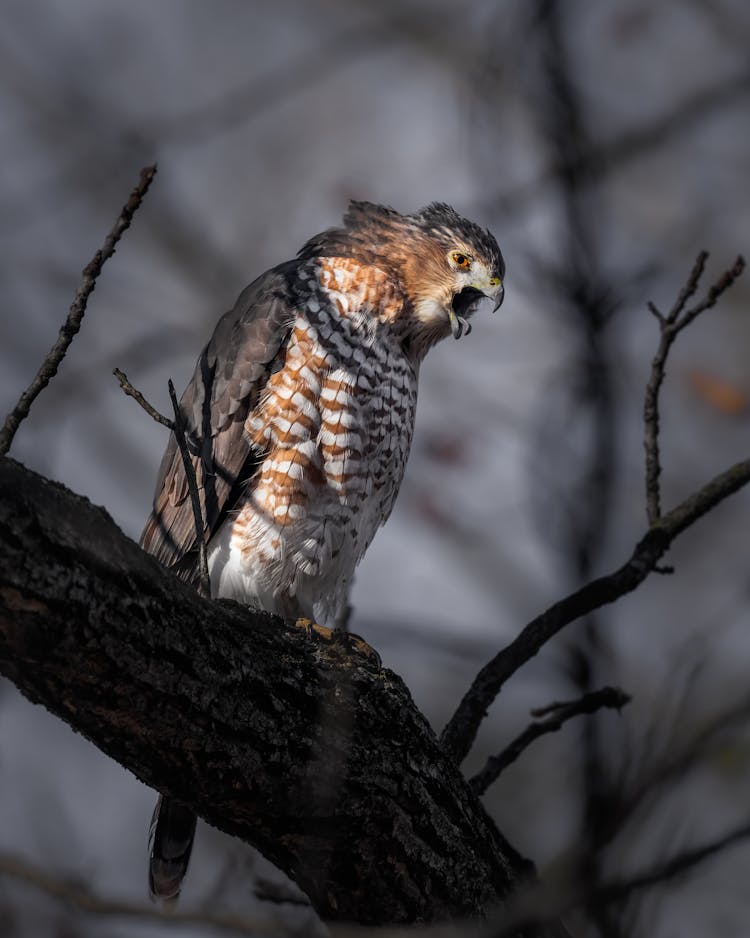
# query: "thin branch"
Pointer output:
{"type": "Point", "coordinates": [659, 772]}
{"type": "Point", "coordinates": [541, 905]}
{"type": "Point", "coordinates": [194, 487]}
{"type": "Point", "coordinates": [555, 715]}
{"type": "Point", "coordinates": [651, 400]}
{"type": "Point", "coordinates": [74, 894]}
{"type": "Point", "coordinates": [669, 328]}
{"type": "Point", "coordinates": [617, 890]}
{"type": "Point", "coordinates": [715, 291]}
{"type": "Point", "coordinates": [140, 399]}
{"type": "Point", "coordinates": [193, 471]}
{"type": "Point", "coordinates": [76, 312]}
{"type": "Point", "coordinates": [587, 295]}
{"type": "Point", "coordinates": [85, 900]}
{"type": "Point", "coordinates": [458, 736]}
{"type": "Point", "coordinates": [689, 288]}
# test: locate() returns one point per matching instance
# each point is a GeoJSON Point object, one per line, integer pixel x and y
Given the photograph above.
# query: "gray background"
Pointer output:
{"type": "Point", "coordinates": [526, 474]}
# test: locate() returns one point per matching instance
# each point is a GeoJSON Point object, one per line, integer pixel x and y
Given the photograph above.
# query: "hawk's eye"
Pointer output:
{"type": "Point", "coordinates": [461, 260]}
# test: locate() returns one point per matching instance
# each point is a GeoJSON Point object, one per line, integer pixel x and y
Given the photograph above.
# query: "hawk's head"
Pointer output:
{"type": "Point", "coordinates": [445, 263]}
{"type": "Point", "coordinates": [453, 265]}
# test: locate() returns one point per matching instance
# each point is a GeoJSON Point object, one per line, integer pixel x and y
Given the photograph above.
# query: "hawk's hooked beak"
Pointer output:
{"type": "Point", "coordinates": [465, 303]}
{"type": "Point", "coordinates": [497, 294]}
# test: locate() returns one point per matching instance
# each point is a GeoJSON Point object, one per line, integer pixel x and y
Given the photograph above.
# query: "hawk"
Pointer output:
{"type": "Point", "coordinates": [300, 416]}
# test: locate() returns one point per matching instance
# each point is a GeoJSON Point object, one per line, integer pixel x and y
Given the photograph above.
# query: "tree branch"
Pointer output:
{"type": "Point", "coordinates": [670, 327]}
{"type": "Point", "coordinates": [542, 904]}
{"type": "Point", "coordinates": [128, 389]}
{"type": "Point", "coordinates": [554, 716]}
{"type": "Point", "coordinates": [76, 313]}
{"type": "Point", "coordinates": [298, 743]}
{"type": "Point", "coordinates": [193, 471]}
{"type": "Point", "coordinates": [75, 894]}
{"type": "Point", "coordinates": [460, 732]}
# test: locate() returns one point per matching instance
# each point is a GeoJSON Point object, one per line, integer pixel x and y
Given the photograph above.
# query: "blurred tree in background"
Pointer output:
{"type": "Point", "coordinates": [604, 145]}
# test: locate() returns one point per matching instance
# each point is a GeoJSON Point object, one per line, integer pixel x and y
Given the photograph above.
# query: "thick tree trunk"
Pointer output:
{"type": "Point", "coordinates": [298, 742]}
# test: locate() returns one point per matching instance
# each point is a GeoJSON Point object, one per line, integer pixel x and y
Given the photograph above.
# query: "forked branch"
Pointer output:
{"type": "Point", "coordinates": [192, 470]}
{"type": "Point", "coordinates": [460, 732]}
{"type": "Point", "coordinates": [550, 719]}
{"type": "Point", "coordinates": [670, 327]}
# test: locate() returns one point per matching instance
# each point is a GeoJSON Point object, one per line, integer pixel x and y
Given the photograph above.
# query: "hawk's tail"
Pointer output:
{"type": "Point", "coordinates": [170, 843]}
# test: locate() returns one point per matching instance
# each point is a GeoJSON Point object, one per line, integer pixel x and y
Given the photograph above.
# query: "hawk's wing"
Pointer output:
{"type": "Point", "coordinates": [230, 374]}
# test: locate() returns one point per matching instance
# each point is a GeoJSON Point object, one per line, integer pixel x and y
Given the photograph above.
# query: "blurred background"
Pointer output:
{"type": "Point", "coordinates": [604, 145]}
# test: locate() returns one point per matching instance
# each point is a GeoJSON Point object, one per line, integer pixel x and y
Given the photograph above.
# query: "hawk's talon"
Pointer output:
{"type": "Point", "coordinates": [307, 625]}
{"type": "Point", "coordinates": [355, 643]}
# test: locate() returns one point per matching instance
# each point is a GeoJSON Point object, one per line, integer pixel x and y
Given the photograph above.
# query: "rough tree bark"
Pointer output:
{"type": "Point", "coordinates": [295, 740]}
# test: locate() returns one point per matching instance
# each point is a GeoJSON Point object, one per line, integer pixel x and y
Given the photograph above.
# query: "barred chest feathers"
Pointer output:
{"type": "Point", "coordinates": [335, 422]}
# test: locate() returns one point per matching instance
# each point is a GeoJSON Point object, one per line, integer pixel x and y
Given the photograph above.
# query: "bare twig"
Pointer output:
{"type": "Point", "coordinates": [140, 399]}
{"type": "Point", "coordinates": [193, 471]}
{"type": "Point", "coordinates": [78, 896]}
{"type": "Point", "coordinates": [616, 890]}
{"type": "Point", "coordinates": [546, 904]}
{"type": "Point", "coordinates": [554, 716]}
{"type": "Point", "coordinates": [458, 736]}
{"type": "Point", "coordinates": [194, 487]}
{"type": "Point", "coordinates": [669, 327]}
{"type": "Point", "coordinates": [660, 771]}
{"type": "Point", "coordinates": [76, 312]}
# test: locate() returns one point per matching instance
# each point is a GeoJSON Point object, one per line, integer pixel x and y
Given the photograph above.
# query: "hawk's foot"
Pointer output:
{"type": "Point", "coordinates": [307, 624]}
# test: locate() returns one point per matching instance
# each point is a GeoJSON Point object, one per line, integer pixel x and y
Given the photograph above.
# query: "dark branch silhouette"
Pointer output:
{"type": "Point", "coordinates": [76, 313]}
{"type": "Point", "coordinates": [604, 158]}
{"type": "Point", "coordinates": [552, 719]}
{"type": "Point", "coordinates": [670, 327]}
{"type": "Point", "coordinates": [192, 470]}
{"type": "Point", "coordinates": [459, 734]}
{"type": "Point", "coordinates": [128, 389]}
{"type": "Point", "coordinates": [293, 739]}
{"type": "Point", "coordinates": [75, 894]}
{"type": "Point", "coordinates": [195, 487]}
{"type": "Point", "coordinates": [541, 905]}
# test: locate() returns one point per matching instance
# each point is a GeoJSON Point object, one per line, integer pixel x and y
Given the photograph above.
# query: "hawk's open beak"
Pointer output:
{"type": "Point", "coordinates": [465, 302]}
{"type": "Point", "coordinates": [460, 325]}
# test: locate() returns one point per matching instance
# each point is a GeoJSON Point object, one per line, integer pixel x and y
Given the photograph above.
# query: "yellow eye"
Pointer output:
{"type": "Point", "coordinates": [461, 260]}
